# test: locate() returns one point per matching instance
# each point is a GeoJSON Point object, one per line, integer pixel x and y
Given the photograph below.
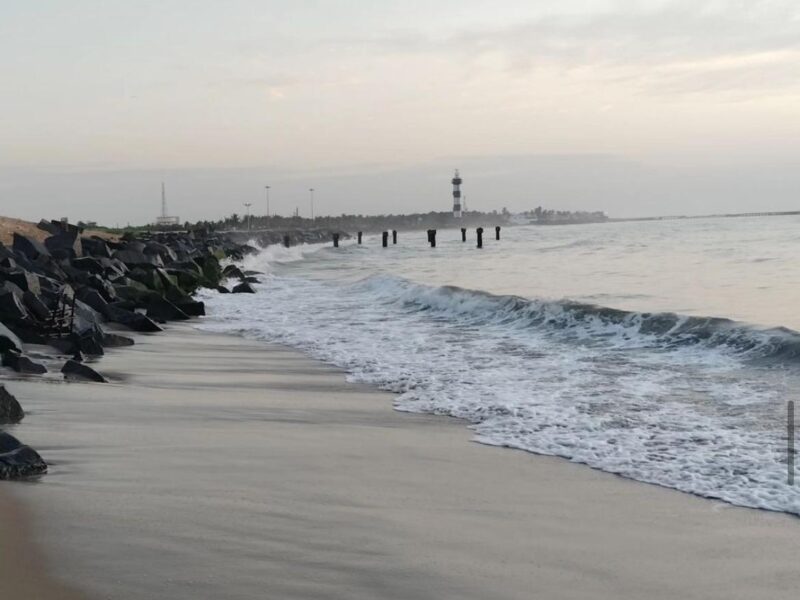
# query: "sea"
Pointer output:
{"type": "Point", "coordinates": [664, 351]}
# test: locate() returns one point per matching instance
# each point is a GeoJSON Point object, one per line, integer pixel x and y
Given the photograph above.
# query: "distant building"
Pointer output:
{"type": "Point", "coordinates": [457, 195]}
{"type": "Point", "coordinates": [164, 219]}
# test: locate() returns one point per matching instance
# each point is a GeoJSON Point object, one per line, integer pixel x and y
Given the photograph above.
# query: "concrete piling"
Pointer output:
{"type": "Point", "coordinates": [394, 236]}
{"type": "Point", "coordinates": [335, 240]}
{"type": "Point", "coordinates": [463, 234]}
{"type": "Point", "coordinates": [385, 236]}
{"type": "Point", "coordinates": [287, 241]}
{"type": "Point", "coordinates": [479, 231]}
{"type": "Point", "coordinates": [497, 232]}
{"type": "Point", "coordinates": [359, 238]}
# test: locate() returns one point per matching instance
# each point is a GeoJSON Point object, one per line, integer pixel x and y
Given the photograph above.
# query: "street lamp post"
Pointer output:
{"type": "Point", "coordinates": [311, 190]}
{"type": "Point", "coordinates": [248, 205]}
{"type": "Point", "coordinates": [266, 188]}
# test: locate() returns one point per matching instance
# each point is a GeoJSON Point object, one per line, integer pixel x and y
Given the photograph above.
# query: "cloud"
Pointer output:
{"type": "Point", "coordinates": [674, 47]}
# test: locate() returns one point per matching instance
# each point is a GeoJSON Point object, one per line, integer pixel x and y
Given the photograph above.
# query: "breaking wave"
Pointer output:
{"type": "Point", "coordinates": [590, 323]}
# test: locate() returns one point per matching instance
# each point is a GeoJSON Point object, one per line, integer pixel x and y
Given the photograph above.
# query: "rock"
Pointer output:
{"type": "Point", "coordinates": [22, 364]}
{"type": "Point", "coordinates": [134, 320]}
{"type": "Point", "coordinates": [162, 310]}
{"type": "Point", "coordinates": [233, 271]}
{"type": "Point", "coordinates": [132, 257]}
{"type": "Point", "coordinates": [24, 280]}
{"type": "Point", "coordinates": [11, 306]}
{"type": "Point", "coordinates": [10, 410]}
{"type": "Point", "coordinates": [74, 370]}
{"type": "Point", "coordinates": [113, 340]}
{"type": "Point", "coordinates": [94, 299]}
{"type": "Point", "coordinates": [166, 253]}
{"type": "Point", "coordinates": [193, 308]}
{"type": "Point", "coordinates": [90, 264]}
{"type": "Point", "coordinates": [223, 290]}
{"type": "Point", "coordinates": [243, 288]}
{"type": "Point", "coordinates": [9, 340]}
{"type": "Point", "coordinates": [35, 306]}
{"type": "Point", "coordinates": [28, 333]}
{"type": "Point", "coordinates": [49, 227]}
{"type": "Point", "coordinates": [64, 245]}
{"type": "Point", "coordinates": [29, 247]}
{"type": "Point", "coordinates": [18, 460]}
{"type": "Point", "coordinates": [250, 279]}
{"type": "Point", "coordinates": [103, 286]}
{"type": "Point", "coordinates": [95, 247]}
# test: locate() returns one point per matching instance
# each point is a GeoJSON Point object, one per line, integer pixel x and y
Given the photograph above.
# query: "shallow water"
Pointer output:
{"type": "Point", "coordinates": [664, 351]}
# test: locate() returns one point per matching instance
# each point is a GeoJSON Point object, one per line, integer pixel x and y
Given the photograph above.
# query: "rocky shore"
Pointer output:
{"type": "Point", "coordinates": [62, 293]}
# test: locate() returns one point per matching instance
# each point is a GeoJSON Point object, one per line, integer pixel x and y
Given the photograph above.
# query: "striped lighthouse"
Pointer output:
{"type": "Point", "coordinates": [457, 195]}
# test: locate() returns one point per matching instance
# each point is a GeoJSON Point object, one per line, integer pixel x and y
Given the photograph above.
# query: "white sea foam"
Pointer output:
{"type": "Point", "coordinates": [671, 401]}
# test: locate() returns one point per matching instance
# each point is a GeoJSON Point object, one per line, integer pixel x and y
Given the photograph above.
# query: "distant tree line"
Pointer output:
{"type": "Point", "coordinates": [365, 223]}
{"type": "Point", "coordinates": [543, 216]}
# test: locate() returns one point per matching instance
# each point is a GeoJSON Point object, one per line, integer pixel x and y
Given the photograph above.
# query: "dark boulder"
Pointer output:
{"type": "Point", "coordinates": [49, 226]}
{"type": "Point", "coordinates": [75, 370]}
{"type": "Point", "coordinates": [105, 287]}
{"type": "Point", "coordinates": [29, 247]}
{"type": "Point", "coordinates": [29, 333]}
{"type": "Point", "coordinates": [233, 271]}
{"type": "Point", "coordinates": [11, 306]}
{"type": "Point", "coordinates": [223, 290]}
{"type": "Point", "coordinates": [35, 306]}
{"type": "Point", "coordinates": [193, 308]}
{"type": "Point", "coordinates": [18, 460]}
{"type": "Point", "coordinates": [90, 264]}
{"type": "Point", "coordinates": [212, 271]}
{"type": "Point", "coordinates": [9, 340]}
{"type": "Point", "coordinates": [64, 245]}
{"type": "Point", "coordinates": [94, 299]}
{"type": "Point", "coordinates": [113, 340]}
{"type": "Point", "coordinates": [22, 364]}
{"type": "Point", "coordinates": [243, 288]}
{"type": "Point", "coordinates": [10, 410]}
{"type": "Point", "coordinates": [133, 320]}
{"type": "Point", "coordinates": [133, 258]}
{"type": "Point", "coordinates": [95, 247]}
{"type": "Point", "coordinates": [24, 280]}
{"type": "Point", "coordinates": [166, 253]}
{"type": "Point", "coordinates": [161, 309]}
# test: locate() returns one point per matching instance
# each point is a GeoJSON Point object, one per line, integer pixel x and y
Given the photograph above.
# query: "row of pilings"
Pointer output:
{"type": "Point", "coordinates": [431, 237]}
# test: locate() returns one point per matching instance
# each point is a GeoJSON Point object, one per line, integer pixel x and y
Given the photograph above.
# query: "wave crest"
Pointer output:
{"type": "Point", "coordinates": [590, 323]}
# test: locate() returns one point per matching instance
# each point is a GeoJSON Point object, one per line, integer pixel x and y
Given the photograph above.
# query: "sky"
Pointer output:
{"type": "Point", "coordinates": [636, 108]}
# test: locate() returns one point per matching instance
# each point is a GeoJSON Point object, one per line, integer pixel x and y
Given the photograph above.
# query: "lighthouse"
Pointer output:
{"type": "Point", "coordinates": [457, 195]}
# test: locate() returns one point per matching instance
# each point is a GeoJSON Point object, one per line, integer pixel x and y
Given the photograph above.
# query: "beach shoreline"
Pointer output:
{"type": "Point", "coordinates": [24, 573]}
{"type": "Point", "coordinates": [338, 495]}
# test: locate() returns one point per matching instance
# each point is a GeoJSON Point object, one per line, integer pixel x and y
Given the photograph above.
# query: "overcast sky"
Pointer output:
{"type": "Point", "coordinates": [635, 108]}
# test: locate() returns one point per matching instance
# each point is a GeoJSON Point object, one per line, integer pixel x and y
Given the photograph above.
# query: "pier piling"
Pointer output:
{"type": "Point", "coordinates": [432, 237]}
{"type": "Point", "coordinates": [394, 236]}
{"type": "Point", "coordinates": [479, 231]}
{"type": "Point", "coordinates": [287, 241]}
{"type": "Point", "coordinates": [335, 240]}
{"type": "Point", "coordinates": [359, 238]}
{"type": "Point", "coordinates": [497, 232]}
{"type": "Point", "coordinates": [385, 238]}
{"type": "Point", "coordinates": [463, 234]}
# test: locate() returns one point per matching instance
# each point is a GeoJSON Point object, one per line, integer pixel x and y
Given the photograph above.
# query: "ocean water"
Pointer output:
{"type": "Point", "coordinates": [663, 351]}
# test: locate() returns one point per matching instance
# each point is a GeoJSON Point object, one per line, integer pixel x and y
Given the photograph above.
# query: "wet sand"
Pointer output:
{"type": "Point", "coordinates": [221, 468]}
{"type": "Point", "coordinates": [23, 572]}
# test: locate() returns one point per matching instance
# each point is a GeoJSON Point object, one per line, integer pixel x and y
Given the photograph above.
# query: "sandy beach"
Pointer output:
{"type": "Point", "coordinates": [332, 494]}
{"type": "Point", "coordinates": [23, 572]}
